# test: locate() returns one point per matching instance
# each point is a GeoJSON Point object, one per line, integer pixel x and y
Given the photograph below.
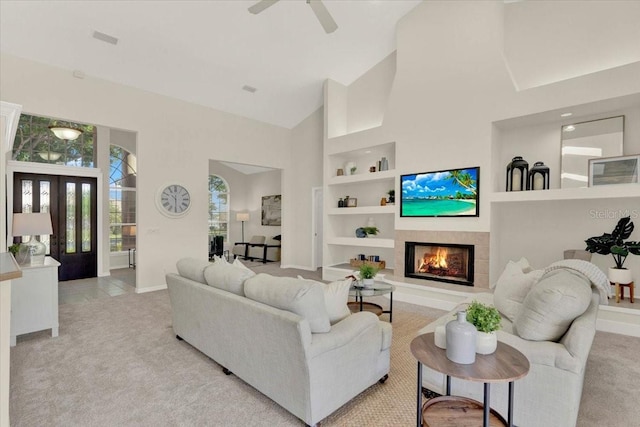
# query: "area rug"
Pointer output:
{"type": "Point", "coordinates": [117, 363]}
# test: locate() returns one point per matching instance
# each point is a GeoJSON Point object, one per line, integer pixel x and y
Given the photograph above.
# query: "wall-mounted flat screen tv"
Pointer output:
{"type": "Point", "coordinates": [450, 192]}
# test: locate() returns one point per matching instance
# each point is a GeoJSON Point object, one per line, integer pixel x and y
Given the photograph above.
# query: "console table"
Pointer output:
{"type": "Point", "coordinates": [506, 364]}
{"type": "Point", "coordinates": [34, 299]}
{"type": "Point", "coordinates": [9, 271]}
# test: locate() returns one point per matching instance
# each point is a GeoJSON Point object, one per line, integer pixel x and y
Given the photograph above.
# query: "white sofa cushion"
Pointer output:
{"type": "Point", "coordinates": [552, 304]}
{"type": "Point", "coordinates": [303, 297]}
{"type": "Point", "coordinates": [228, 277]}
{"type": "Point", "coordinates": [336, 296]}
{"type": "Point", "coordinates": [193, 268]}
{"type": "Point", "coordinates": [512, 287]}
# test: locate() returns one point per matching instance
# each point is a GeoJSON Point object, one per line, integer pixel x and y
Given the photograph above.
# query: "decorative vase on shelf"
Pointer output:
{"type": "Point", "coordinates": [349, 168]}
{"type": "Point", "coordinates": [461, 340]}
{"type": "Point", "coordinates": [384, 164]}
{"type": "Point", "coordinates": [619, 275]}
{"type": "Point", "coordinates": [486, 342]}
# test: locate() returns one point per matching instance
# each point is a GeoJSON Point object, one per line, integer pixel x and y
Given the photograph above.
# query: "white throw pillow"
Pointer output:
{"type": "Point", "coordinates": [228, 277]}
{"type": "Point", "coordinates": [552, 305]}
{"type": "Point", "coordinates": [303, 297]}
{"type": "Point", "coordinates": [513, 286]}
{"type": "Point", "coordinates": [193, 268]}
{"type": "Point", "coordinates": [336, 296]}
{"type": "Point", "coordinates": [220, 259]}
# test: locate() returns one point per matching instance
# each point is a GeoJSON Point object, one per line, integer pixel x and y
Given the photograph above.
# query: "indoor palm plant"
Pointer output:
{"type": "Point", "coordinates": [487, 320]}
{"type": "Point", "coordinates": [614, 244]}
{"type": "Point", "coordinates": [367, 273]}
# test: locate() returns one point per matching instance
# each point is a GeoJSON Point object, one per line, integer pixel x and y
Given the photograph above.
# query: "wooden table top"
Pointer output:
{"type": "Point", "coordinates": [504, 365]}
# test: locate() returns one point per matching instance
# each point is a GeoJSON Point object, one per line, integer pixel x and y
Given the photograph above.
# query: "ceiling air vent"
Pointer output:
{"type": "Point", "coordinates": [105, 37]}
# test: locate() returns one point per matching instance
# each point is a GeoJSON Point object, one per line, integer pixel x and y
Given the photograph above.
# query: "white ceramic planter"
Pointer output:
{"type": "Point", "coordinates": [367, 283]}
{"type": "Point", "coordinates": [440, 337]}
{"type": "Point", "coordinates": [617, 275]}
{"type": "Point", "coordinates": [486, 342]}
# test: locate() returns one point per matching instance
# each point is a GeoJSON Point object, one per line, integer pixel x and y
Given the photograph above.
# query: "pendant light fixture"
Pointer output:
{"type": "Point", "coordinates": [68, 133]}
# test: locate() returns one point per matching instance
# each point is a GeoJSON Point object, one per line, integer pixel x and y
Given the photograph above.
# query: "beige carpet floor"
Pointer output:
{"type": "Point", "coordinates": [117, 363]}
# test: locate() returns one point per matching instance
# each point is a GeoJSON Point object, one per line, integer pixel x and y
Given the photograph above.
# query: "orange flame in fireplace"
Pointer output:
{"type": "Point", "coordinates": [437, 260]}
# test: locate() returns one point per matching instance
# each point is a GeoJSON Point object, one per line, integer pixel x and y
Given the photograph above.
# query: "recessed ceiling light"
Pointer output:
{"type": "Point", "coordinates": [566, 114]}
{"type": "Point", "coordinates": [105, 37]}
{"type": "Point", "coordinates": [249, 89]}
{"type": "Point", "coordinates": [569, 128]}
{"type": "Point", "coordinates": [367, 152]}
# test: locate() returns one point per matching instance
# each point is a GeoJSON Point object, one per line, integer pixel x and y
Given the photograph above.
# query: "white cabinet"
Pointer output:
{"type": "Point", "coordinates": [34, 300]}
{"type": "Point", "coordinates": [341, 243]}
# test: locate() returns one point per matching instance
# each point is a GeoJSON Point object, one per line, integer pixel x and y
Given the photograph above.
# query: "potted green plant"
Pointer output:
{"type": "Point", "coordinates": [367, 273]}
{"type": "Point", "coordinates": [614, 244]}
{"type": "Point", "coordinates": [371, 230]}
{"type": "Point", "coordinates": [487, 321]}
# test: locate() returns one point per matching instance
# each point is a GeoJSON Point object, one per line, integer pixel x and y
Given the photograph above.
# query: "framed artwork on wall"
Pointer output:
{"type": "Point", "coordinates": [614, 170]}
{"type": "Point", "coordinates": [272, 210]}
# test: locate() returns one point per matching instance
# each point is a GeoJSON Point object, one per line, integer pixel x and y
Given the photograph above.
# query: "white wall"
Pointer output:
{"type": "Point", "coordinates": [368, 95]}
{"type": "Point", "coordinates": [304, 172]}
{"type": "Point", "coordinates": [260, 185]}
{"type": "Point", "coordinates": [451, 85]}
{"type": "Point", "coordinates": [175, 141]}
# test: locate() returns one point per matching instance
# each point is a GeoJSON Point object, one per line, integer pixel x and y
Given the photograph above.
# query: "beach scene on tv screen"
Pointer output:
{"type": "Point", "coordinates": [443, 193]}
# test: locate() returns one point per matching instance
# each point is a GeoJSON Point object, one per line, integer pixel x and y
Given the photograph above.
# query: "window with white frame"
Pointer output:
{"type": "Point", "coordinates": [122, 199]}
{"type": "Point", "coordinates": [218, 207]}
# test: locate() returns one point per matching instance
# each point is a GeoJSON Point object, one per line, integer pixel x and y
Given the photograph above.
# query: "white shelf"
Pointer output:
{"type": "Point", "coordinates": [602, 192]}
{"type": "Point", "coordinates": [362, 177]}
{"type": "Point", "coordinates": [371, 242]}
{"type": "Point", "coordinates": [364, 210]}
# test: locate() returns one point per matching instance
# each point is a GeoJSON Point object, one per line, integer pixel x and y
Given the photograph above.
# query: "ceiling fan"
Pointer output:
{"type": "Point", "coordinates": [317, 6]}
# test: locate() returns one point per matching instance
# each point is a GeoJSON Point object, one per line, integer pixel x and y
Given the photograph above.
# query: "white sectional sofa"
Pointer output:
{"type": "Point", "coordinates": [276, 334]}
{"type": "Point", "coordinates": [539, 319]}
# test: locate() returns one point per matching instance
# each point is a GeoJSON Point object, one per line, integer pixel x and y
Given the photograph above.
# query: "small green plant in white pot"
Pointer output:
{"type": "Point", "coordinates": [487, 321]}
{"type": "Point", "coordinates": [367, 274]}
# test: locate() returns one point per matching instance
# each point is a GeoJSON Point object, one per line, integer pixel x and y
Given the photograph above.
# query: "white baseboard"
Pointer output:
{"type": "Point", "coordinates": [150, 289]}
{"type": "Point", "coordinates": [298, 267]}
{"type": "Point", "coordinates": [424, 301]}
{"type": "Point", "coordinates": [618, 327]}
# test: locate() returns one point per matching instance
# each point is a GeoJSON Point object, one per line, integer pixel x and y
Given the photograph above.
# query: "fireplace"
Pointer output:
{"type": "Point", "coordinates": [444, 262]}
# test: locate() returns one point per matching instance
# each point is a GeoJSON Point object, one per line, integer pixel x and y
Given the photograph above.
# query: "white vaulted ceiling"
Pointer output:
{"type": "Point", "coordinates": [205, 51]}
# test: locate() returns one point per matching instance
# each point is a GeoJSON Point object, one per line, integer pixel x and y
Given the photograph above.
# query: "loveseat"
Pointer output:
{"type": "Point", "coordinates": [279, 334]}
{"type": "Point", "coordinates": [550, 316]}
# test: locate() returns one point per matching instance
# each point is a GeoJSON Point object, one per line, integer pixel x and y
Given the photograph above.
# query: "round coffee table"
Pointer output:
{"type": "Point", "coordinates": [506, 364]}
{"type": "Point", "coordinates": [379, 288]}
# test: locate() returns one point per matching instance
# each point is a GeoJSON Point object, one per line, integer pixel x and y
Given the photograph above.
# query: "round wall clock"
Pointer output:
{"type": "Point", "coordinates": [173, 200]}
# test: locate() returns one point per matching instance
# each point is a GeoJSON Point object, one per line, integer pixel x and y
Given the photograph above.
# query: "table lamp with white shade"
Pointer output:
{"type": "Point", "coordinates": [32, 225]}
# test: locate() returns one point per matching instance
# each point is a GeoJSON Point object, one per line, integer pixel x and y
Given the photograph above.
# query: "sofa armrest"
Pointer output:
{"type": "Point", "coordinates": [344, 332]}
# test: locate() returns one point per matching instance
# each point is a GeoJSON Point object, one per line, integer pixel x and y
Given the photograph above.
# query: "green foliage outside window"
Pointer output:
{"type": "Point", "coordinates": [218, 207]}
{"type": "Point", "coordinates": [36, 143]}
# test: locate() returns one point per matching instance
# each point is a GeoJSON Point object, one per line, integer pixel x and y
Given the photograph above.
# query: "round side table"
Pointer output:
{"type": "Point", "coordinates": [506, 364]}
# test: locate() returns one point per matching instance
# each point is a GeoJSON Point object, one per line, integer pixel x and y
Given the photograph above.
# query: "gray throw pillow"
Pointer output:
{"type": "Point", "coordinates": [303, 297]}
{"type": "Point", "coordinates": [193, 268]}
{"type": "Point", "coordinates": [228, 277]}
{"type": "Point", "coordinates": [552, 304]}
